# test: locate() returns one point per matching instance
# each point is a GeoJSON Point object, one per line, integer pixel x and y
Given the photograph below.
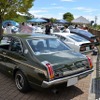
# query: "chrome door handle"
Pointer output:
{"type": "Point", "coordinates": [4, 53]}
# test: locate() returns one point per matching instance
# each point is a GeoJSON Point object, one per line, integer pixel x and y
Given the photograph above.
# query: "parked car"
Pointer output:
{"type": "Point", "coordinates": [41, 61]}
{"type": "Point", "coordinates": [76, 42]}
{"type": "Point", "coordinates": [89, 36]}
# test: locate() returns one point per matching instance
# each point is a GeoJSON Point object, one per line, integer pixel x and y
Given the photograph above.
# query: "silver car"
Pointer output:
{"type": "Point", "coordinates": [76, 42]}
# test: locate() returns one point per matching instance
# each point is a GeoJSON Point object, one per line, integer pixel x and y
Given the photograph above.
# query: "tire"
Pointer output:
{"type": "Point", "coordinates": [21, 82]}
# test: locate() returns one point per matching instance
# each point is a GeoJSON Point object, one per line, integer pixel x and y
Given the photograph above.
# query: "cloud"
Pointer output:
{"type": "Point", "coordinates": [54, 7]}
{"type": "Point", "coordinates": [84, 9]}
{"type": "Point", "coordinates": [47, 14]}
{"type": "Point", "coordinates": [68, 0]}
{"type": "Point", "coordinates": [37, 11]}
{"type": "Point", "coordinates": [53, 4]}
{"type": "Point", "coordinates": [59, 7]}
{"type": "Point", "coordinates": [57, 16]}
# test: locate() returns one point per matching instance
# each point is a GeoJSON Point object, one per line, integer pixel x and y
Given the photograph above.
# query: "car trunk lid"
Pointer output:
{"type": "Point", "coordinates": [65, 63]}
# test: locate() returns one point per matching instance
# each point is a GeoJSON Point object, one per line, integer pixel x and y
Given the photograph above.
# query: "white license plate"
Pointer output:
{"type": "Point", "coordinates": [95, 40]}
{"type": "Point", "coordinates": [87, 48]}
{"type": "Point", "coordinates": [72, 81]}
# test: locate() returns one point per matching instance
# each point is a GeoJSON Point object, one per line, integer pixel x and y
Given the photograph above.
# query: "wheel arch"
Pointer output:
{"type": "Point", "coordinates": [16, 70]}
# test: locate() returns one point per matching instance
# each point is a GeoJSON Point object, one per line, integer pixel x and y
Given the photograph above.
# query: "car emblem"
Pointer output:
{"type": "Point", "coordinates": [73, 66]}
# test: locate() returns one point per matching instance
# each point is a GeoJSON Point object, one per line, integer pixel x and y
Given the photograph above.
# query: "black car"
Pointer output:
{"type": "Point", "coordinates": [88, 35]}
{"type": "Point", "coordinates": [41, 61]}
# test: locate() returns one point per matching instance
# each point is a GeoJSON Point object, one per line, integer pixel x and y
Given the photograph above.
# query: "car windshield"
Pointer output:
{"type": "Point", "coordinates": [86, 33]}
{"type": "Point", "coordinates": [44, 46]}
{"type": "Point", "coordinates": [77, 38]}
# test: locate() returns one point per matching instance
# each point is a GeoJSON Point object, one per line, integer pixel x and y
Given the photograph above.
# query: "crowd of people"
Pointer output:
{"type": "Point", "coordinates": [46, 28]}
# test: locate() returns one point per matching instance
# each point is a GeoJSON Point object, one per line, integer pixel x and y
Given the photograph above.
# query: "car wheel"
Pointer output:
{"type": "Point", "coordinates": [21, 82]}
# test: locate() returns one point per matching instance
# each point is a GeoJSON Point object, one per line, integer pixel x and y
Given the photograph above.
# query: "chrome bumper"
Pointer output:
{"type": "Point", "coordinates": [46, 84]}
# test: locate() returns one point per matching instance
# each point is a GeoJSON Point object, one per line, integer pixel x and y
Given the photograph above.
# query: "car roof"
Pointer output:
{"type": "Point", "coordinates": [29, 36]}
{"type": "Point", "coordinates": [83, 32]}
{"type": "Point", "coordinates": [65, 34]}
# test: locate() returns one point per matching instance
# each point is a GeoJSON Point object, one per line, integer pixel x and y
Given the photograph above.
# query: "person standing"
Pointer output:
{"type": "Point", "coordinates": [56, 28]}
{"type": "Point", "coordinates": [33, 28]}
{"type": "Point", "coordinates": [48, 28]}
{"type": "Point", "coordinates": [8, 29]}
{"type": "Point", "coordinates": [66, 29]}
{"type": "Point", "coordinates": [25, 29]}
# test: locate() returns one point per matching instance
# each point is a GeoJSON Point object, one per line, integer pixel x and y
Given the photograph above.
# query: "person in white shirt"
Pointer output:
{"type": "Point", "coordinates": [8, 28]}
{"type": "Point", "coordinates": [56, 29]}
{"type": "Point", "coordinates": [66, 29]}
{"type": "Point", "coordinates": [33, 28]}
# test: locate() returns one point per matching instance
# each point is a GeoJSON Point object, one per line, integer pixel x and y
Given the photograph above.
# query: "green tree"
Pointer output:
{"type": "Point", "coordinates": [10, 9]}
{"type": "Point", "coordinates": [20, 19]}
{"type": "Point", "coordinates": [23, 18]}
{"type": "Point", "coordinates": [68, 16]}
{"type": "Point", "coordinates": [52, 20]}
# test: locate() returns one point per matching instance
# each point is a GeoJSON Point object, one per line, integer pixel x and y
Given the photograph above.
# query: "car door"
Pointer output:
{"type": "Point", "coordinates": [4, 46]}
{"type": "Point", "coordinates": [13, 56]}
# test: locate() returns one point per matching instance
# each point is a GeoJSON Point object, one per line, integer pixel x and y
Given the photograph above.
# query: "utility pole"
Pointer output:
{"type": "Point", "coordinates": [96, 20]}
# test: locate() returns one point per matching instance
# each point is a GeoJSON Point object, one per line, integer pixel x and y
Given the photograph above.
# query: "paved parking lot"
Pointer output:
{"type": "Point", "coordinates": [8, 91]}
{"type": "Point", "coordinates": [80, 91]}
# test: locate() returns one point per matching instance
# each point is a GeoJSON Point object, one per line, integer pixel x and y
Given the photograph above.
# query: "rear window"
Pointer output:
{"type": "Point", "coordinates": [77, 38]}
{"type": "Point", "coordinates": [86, 33]}
{"type": "Point", "coordinates": [40, 46]}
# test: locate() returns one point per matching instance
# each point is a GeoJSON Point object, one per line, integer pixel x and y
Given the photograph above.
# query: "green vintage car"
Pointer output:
{"type": "Point", "coordinates": [41, 61]}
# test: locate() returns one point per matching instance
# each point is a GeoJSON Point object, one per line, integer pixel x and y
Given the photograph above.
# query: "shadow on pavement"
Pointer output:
{"type": "Point", "coordinates": [8, 91]}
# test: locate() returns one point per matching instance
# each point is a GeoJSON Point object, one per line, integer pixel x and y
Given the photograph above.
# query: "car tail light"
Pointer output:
{"type": "Point", "coordinates": [82, 48]}
{"type": "Point", "coordinates": [90, 62]}
{"type": "Point", "coordinates": [91, 40]}
{"type": "Point", "coordinates": [50, 71]}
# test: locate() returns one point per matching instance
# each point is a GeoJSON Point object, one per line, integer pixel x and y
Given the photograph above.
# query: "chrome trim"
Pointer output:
{"type": "Point", "coordinates": [73, 71]}
{"type": "Point", "coordinates": [83, 52]}
{"type": "Point", "coordinates": [28, 65]}
{"type": "Point", "coordinates": [46, 84]}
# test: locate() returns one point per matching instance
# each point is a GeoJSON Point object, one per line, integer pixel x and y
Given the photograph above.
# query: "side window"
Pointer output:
{"type": "Point", "coordinates": [15, 46]}
{"type": "Point", "coordinates": [53, 43]}
{"type": "Point", "coordinates": [5, 40]}
{"type": "Point", "coordinates": [62, 38]}
{"type": "Point", "coordinates": [58, 36]}
{"type": "Point", "coordinates": [37, 44]}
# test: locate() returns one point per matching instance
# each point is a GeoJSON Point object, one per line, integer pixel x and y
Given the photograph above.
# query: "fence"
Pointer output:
{"type": "Point", "coordinates": [95, 32]}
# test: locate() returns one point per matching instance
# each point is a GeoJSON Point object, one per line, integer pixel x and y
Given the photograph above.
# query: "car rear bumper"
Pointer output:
{"type": "Point", "coordinates": [46, 84]}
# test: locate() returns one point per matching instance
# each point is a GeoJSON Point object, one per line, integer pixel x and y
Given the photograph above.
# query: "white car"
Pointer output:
{"type": "Point", "coordinates": [76, 42]}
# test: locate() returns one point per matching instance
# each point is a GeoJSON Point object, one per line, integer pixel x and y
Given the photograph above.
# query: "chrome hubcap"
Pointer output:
{"type": "Point", "coordinates": [19, 81]}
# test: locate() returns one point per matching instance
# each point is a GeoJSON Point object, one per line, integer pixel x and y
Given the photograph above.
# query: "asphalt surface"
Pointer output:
{"type": "Point", "coordinates": [95, 87]}
{"type": "Point", "coordinates": [86, 89]}
{"type": "Point", "coordinates": [94, 93]}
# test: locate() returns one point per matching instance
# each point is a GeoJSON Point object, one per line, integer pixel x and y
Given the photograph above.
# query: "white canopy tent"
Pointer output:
{"type": "Point", "coordinates": [81, 20]}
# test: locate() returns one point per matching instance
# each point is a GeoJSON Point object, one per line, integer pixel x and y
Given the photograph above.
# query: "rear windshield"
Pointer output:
{"type": "Point", "coordinates": [77, 38]}
{"type": "Point", "coordinates": [83, 32]}
{"type": "Point", "coordinates": [41, 46]}
{"type": "Point", "coordinates": [86, 33]}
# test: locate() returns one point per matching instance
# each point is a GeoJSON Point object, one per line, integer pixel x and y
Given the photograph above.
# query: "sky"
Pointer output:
{"type": "Point", "coordinates": [90, 9]}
